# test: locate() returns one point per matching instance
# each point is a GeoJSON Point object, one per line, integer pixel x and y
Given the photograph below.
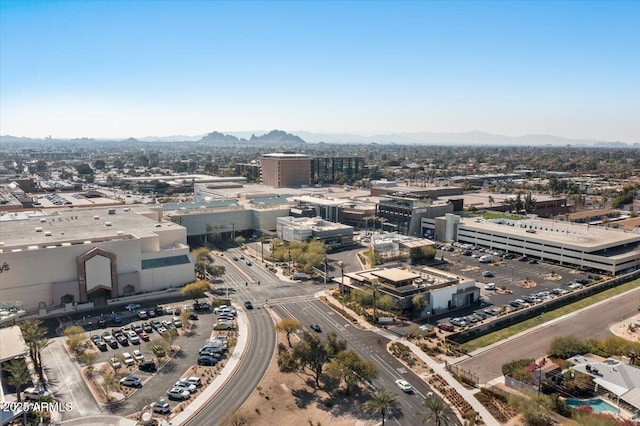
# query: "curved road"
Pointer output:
{"type": "Point", "coordinates": [250, 369]}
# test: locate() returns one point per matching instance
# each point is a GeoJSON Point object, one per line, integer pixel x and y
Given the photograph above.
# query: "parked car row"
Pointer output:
{"type": "Point", "coordinates": [213, 350]}
{"type": "Point", "coordinates": [181, 390]}
{"type": "Point", "coordinates": [226, 317]}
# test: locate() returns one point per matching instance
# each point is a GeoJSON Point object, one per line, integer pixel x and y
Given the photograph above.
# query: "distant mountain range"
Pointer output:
{"type": "Point", "coordinates": [301, 137]}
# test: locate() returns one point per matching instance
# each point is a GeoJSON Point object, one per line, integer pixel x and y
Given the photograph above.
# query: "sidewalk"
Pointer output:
{"type": "Point", "coordinates": [438, 368]}
{"type": "Point", "coordinates": [194, 407]}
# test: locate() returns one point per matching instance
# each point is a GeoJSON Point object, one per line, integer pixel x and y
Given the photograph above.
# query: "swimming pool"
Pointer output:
{"type": "Point", "coordinates": [598, 405]}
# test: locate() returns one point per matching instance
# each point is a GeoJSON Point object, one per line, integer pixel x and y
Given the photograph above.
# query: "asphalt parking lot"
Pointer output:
{"type": "Point", "coordinates": [508, 273]}
{"type": "Point", "coordinates": [155, 385]}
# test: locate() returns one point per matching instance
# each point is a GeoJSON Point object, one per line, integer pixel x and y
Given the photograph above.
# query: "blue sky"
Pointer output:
{"type": "Point", "coordinates": [127, 68]}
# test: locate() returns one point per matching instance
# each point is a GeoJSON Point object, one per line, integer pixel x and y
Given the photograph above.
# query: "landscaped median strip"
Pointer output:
{"type": "Point", "coordinates": [229, 369]}
{"type": "Point", "coordinates": [497, 336]}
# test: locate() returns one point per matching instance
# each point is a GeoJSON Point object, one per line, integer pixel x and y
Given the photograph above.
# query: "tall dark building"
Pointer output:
{"type": "Point", "coordinates": [336, 169]}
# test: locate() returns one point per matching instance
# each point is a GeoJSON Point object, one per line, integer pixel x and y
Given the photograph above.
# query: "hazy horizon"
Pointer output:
{"type": "Point", "coordinates": [74, 69]}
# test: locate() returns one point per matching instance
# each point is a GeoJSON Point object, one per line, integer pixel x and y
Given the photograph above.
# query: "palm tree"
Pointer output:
{"type": "Point", "coordinates": [491, 200]}
{"type": "Point", "coordinates": [382, 402]}
{"type": "Point", "coordinates": [18, 375]}
{"type": "Point", "coordinates": [35, 337]}
{"type": "Point", "coordinates": [439, 411]}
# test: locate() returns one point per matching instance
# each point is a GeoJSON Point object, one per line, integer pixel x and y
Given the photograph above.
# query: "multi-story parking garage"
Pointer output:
{"type": "Point", "coordinates": [607, 250]}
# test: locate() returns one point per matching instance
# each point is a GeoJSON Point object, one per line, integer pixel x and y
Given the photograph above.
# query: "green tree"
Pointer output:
{"type": "Point", "coordinates": [288, 326]}
{"type": "Point", "coordinates": [567, 346]}
{"type": "Point", "coordinates": [419, 303]}
{"type": "Point", "coordinates": [385, 302]}
{"type": "Point", "coordinates": [18, 375]}
{"type": "Point", "coordinates": [348, 366]}
{"type": "Point", "coordinates": [196, 290]}
{"type": "Point", "coordinates": [160, 344]}
{"type": "Point", "coordinates": [99, 164]}
{"type": "Point", "coordinates": [438, 411]}
{"type": "Point", "coordinates": [89, 359]}
{"type": "Point", "coordinates": [529, 203]}
{"type": "Point", "coordinates": [239, 240]}
{"type": "Point", "coordinates": [312, 353]}
{"type": "Point", "coordinates": [34, 335]}
{"type": "Point", "coordinates": [109, 384]}
{"type": "Point", "coordinates": [382, 402]}
{"type": "Point", "coordinates": [84, 169]}
{"type": "Point", "coordinates": [75, 338]}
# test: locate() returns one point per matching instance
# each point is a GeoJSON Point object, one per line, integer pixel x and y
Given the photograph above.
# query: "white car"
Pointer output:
{"type": "Point", "coordinates": [490, 286]}
{"type": "Point", "coordinates": [161, 407]}
{"type": "Point", "coordinates": [137, 355]}
{"type": "Point", "coordinates": [178, 393]}
{"type": "Point", "coordinates": [131, 381]}
{"type": "Point", "coordinates": [185, 385]}
{"type": "Point", "coordinates": [133, 337]}
{"type": "Point", "coordinates": [194, 380]}
{"type": "Point", "coordinates": [404, 385]}
{"type": "Point", "coordinates": [128, 359]}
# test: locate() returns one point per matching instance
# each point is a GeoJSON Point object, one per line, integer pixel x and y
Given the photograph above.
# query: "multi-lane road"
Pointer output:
{"type": "Point", "coordinates": [366, 344]}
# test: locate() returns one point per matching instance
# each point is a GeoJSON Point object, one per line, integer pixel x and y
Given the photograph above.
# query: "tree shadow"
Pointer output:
{"type": "Point", "coordinates": [303, 397]}
{"type": "Point", "coordinates": [115, 407]}
{"type": "Point", "coordinates": [168, 368]}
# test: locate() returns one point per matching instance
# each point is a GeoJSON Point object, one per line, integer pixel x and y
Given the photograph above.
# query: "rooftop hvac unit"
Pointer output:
{"type": "Point", "coordinates": [107, 223]}
{"type": "Point", "coordinates": [96, 217]}
{"type": "Point", "coordinates": [38, 229]}
{"type": "Point", "coordinates": [43, 220]}
{"type": "Point", "coordinates": [47, 234]}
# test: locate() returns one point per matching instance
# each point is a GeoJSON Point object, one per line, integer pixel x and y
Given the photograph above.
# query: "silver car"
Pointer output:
{"type": "Point", "coordinates": [178, 393]}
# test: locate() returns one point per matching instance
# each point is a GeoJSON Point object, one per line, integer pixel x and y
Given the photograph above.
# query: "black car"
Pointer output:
{"type": "Point", "coordinates": [204, 306]}
{"type": "Point", "coordinates": [248, 304]}
{"type": "Point", "coordinates": [316, 328]}
{"type": "Point", "coordinates": [148, 366]}
{"type": "Point", "coordinates": [159, 311]}
{"type": "Point", "coordinates": [102, 323]}
{"type": "Point", "coordinates": [113, 343]}
{"type": "Point", "coordinates": [584, 281]}
{"type": "Point", "coordinates": [122, 340]}
{"type": "Point", "coordinates": [207, 360]}
{"type": "Point", "coordinates": [193, 316]}
{"type": "Point", "coordinates": [101, 344]}
{"type": "Point", "coordinates": [533, 262]}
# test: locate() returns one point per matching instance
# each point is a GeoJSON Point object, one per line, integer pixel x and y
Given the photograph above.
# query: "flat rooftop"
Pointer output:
{"type": "Point", "coordinates": [254, 190]}
{"type": "Point", "coordinates": [575, 235]}
{"type": "Point", "coordinates": [482, 198]}
{"type": "Point", "coordinates": [396, 274]}
{"type": "Point", "coordinates": [75, 227]}
{"type": "Point", "coordinates": [11, 343]}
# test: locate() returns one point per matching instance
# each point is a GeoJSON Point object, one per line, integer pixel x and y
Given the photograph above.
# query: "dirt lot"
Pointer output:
{"type": "Point", "coordinates": [291, 399]}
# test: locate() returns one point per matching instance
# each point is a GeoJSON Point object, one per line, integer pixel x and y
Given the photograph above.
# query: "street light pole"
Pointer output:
{"type": "Point", "coordinates": [326, 272]}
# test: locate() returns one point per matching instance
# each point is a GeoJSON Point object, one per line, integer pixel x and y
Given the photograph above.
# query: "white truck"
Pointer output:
{"type": "Point", "coordinates": [487, 258]}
